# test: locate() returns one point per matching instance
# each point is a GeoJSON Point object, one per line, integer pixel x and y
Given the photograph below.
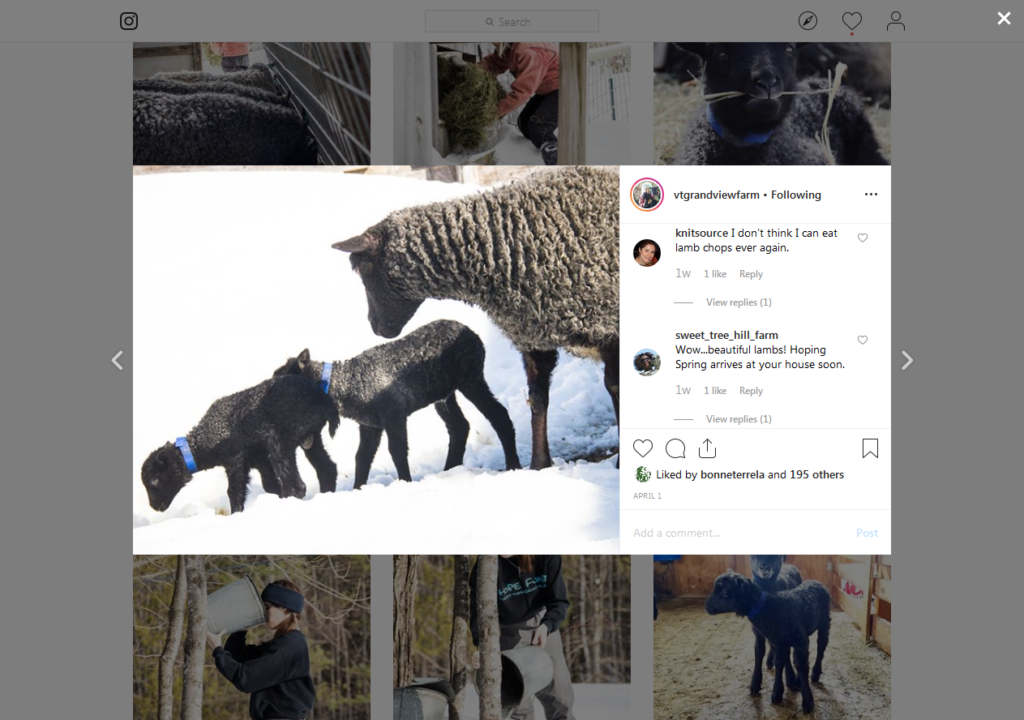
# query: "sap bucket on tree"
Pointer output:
{"type": "Point", "coordinates": [426, 699]}
{"type": "Point", "coordinates": [235, 607]}
{"type": "Point", "coordinates": [524, 672]}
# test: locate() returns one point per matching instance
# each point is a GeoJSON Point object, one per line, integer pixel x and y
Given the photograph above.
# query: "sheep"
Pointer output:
{"type": "Point", "coordinates": [177, 87]}
{"type": "Point", "coordinates": [258, 76]}
{"type": "Point", "coordinates": [260, 427]}
{"type": "Point", "coordinates": [217, 129]}
{"type": "Point", "coordinates": [772, 575]}
{"type": "Point", "coordinates": [764, 127]}
{"type": "Point", "coordinates": [539, 256]}
{"type": "Point", "coordinates": [381, 387]}
{"type": "Point", "coordinates": [787, 620]}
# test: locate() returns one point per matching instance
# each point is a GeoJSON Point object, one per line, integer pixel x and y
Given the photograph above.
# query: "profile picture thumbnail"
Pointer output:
{"type": "Point", "coordinates": [646, 253]}
{"type": "Point", "coordinates": [647, 362]}
{"type": "Point", "coordinates": [647, 194]}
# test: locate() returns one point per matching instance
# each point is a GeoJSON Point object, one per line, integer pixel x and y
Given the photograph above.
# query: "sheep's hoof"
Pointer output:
{"type": "Point", "coordinates": [808, 707]}
{"type": "Point", "coordinates": [776, 697]}
{"type": "Point", "coordinates": [816, 676]}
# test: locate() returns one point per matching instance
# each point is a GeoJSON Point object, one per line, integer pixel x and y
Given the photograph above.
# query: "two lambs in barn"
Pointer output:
{"type": "Point", "coordinates": [539, 256]}
{"type": "Point", "coordinates": [382, 386]}
{"type": "Point", "coordinates": [787, 620]}
{"type": "Point", "coordinates": [777, 119]}
{"type": "Point", "coordinates": [260, 428]}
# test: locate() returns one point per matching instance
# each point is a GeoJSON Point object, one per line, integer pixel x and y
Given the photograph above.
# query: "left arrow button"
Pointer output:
{"type": "Point", "coordinates": [114, 359]}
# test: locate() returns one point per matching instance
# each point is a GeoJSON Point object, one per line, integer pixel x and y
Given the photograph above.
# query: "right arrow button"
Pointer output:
{"type": "Point", "coordinates": [909, 360]}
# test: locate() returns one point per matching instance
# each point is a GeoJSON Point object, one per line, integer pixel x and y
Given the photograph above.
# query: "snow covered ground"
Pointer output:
{"type": "Point", "coordinates": [592, 702]}
{"type": "Point", "coordinates": [233, 274]}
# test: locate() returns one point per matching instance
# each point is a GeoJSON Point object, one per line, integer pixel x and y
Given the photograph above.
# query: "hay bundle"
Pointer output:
{"type": "Point", "coordinates": [467, 103]}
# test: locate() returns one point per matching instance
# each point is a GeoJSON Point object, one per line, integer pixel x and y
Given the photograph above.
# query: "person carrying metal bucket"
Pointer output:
{"type": "Point", "coordinates": [532, 602]}
{"type": "Point", "coordinates": [275, 673]}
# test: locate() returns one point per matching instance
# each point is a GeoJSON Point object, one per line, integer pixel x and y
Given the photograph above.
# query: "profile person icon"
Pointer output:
{"type": "Point", "coordinates": [896, 24]}
{"type": "Point", "coordinates": [647, 362]}
{"type": "Point", "coordinates": [646, 253]}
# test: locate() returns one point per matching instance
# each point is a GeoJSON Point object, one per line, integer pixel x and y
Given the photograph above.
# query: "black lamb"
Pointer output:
{"type": "Point", "coordinates": [257, 428]}
{"type": "Point", "coordinates": [381, 387]}
{"type": "Point", "coordinates": [787, 620]}
{"type": "Point", "coordinates": [540, 256]}
{"type": "Point", "coordinates": [772, 575]}
{"type": "Point", "coordinates": [765, 126]}
{"type": "Point", "coordinates": [215, 128]}
{"type": "Point", "coordinates": [257, 75]}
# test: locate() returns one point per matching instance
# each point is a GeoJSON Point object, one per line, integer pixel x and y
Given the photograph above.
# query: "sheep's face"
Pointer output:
{"type": "Point", "coordinates": [389, 312]}
{"type": "Point", "coordinates": [163, 476]}
{"type": "Point", "coordinates": [730, 590]}
{"type": "Point", "coordinates": [762, 70]}
{"type": "Point", "coordinates": [766, 567]}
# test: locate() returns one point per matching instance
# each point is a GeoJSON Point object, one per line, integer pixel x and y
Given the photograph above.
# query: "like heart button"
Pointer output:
{"type": "Point", "coordinates": [643, 447]}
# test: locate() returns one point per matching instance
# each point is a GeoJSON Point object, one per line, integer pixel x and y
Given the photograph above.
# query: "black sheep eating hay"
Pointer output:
{"type": "Point", "coordinates": [774, 118]}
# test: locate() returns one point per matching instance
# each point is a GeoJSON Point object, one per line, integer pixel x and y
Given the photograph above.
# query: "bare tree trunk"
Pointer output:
{"type": "Point", "coordinates": [175, 623]}
{"type": "Point", "coordinates": [404, 618]}
{"type": "Point", "coordinates": [600, 589]}
{"type": "Point", "coordinates": [460, 622]}
{"type": "Point", "coordinates": [195, 640]}
{"type": "Point", "coordinates": [489, 677]}
{"type": "Point", "coordinates": [585, 620]}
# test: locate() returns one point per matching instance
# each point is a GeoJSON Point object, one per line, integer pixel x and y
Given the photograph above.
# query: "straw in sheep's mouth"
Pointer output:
{"type": "Point", "coordinates": [831, 90]}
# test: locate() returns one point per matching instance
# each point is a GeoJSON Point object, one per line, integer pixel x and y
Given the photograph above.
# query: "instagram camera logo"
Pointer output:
{"type": "Point", "coordinates": [129, 21]}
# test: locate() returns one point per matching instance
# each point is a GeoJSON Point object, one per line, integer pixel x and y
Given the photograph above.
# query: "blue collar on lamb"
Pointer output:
{"type": "Point", "coordinates": [757, 608]}
{"type": "Point", "coordinates": [186, 453]}
{"type": "Point", "coordinates": [325, 377]}
{"type": "Point", "coordinates": [748, 139]}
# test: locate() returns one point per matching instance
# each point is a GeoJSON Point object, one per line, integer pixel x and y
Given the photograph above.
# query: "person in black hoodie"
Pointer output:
{"type": "Point", "coordinates": [276, 673]}
{"type": "Point", "coordinates": [532, 602]}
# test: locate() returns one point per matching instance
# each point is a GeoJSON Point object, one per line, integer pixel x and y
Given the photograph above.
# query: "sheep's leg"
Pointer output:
{"type": "Point", "coordinates": [755, 680]}
{"type": "Point", "coordinates": [478, 393]}
{"type": "Point", "coordinates": [539, 365]}
{"type": "Point", "coordinates": [771, 658]}
{"type": "Point", "coordinates": [326, 469]}
{"type": "Point", "coordinates": [822, 644]}
{"type": "Point", "coordinates": [398, 446]}
{"type": "Point", "coordinates": [238, 485]}
{"type": "Point", "coordinates": [369, 441]}
{"type": "Point", "coordinates": [610, 357]}
{"type": "Point", "coordinates": [458, 430]}
{"type": "Point", "coordinates": [271, 484]}
{"type": "Point", "coordinates": [777, 688]}
{"type": "Point", "coordinates": [800, 658]}
{"type": "Point", "coordinates": [793, 681]}
{"type": "Point", "coordinates": [282, 460]}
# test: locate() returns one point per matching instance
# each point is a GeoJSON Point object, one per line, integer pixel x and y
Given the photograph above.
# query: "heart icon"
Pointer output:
{"type": "Point", "coordinates": [862, 339]}
{"type": "Point", "coordinates": [852, 20]}
{"type": "Point", "coordinates": [862, 237]}
{"type": "Point", "coordinates": [643, 447]}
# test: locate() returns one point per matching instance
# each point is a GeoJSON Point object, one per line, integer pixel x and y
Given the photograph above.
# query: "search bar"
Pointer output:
{"type": "Point", "coordinates": [520, 21]}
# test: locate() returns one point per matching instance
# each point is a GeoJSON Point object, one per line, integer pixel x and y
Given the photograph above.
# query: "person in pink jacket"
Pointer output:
{"type": "Point", "coordinates": [234, 56]}
{"type": "Point", "coordinates": [535, 89]}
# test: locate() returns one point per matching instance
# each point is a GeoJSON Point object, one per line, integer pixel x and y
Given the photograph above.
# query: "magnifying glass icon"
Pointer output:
{"type": "Point", "coordinates": [490, 21]}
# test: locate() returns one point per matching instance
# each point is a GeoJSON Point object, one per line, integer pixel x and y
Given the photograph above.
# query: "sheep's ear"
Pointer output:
{"type": "Point", "coordinates": [360, 243]}
{"type": "Point", "coordinates": [303, 359]}
{"type": "Point", "coordinates": [701, 49]}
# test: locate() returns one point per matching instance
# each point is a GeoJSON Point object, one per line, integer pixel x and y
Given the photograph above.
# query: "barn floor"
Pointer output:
{"type": "Point", "coordinates": [703, 663]}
